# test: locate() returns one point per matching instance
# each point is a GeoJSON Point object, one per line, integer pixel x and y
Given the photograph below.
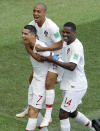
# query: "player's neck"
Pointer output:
{"type": "Point", "coordinates": [33, 43]}
{"type": "Point", "coordinates": [71, 41]}
{"type": "Point", "coordinates": [41, 23]}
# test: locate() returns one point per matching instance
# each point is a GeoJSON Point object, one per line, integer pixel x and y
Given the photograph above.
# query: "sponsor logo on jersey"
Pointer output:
{"type": "Point", "coordinates": [76, 56]}
{"type": "Point", "coordinates": [46, 33]}
{"type": "Point", "coordinates": [57, 35]}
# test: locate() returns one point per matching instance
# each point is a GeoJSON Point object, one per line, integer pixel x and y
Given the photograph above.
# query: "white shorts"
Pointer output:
{"type": "Point", "coordinates": [36, 94]}
{"type": "Point", "coordinates": [71, 100]}
{"type": "Point", "coordinates": [58, 70]}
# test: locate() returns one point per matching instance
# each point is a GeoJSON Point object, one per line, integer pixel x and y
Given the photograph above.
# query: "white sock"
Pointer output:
{"type": "Point", "coordinates": [50, 96]}
{"type": "Point", "coordinates": [26, 111]}
{"type": "Point", "coordinates": [65, 124]}
{"type": "Point", "coordinates": [81, 118]}
{"type": "Point", "coordinates": [39, 120]}
{"type": "Point", "coordinates": [31, 124]}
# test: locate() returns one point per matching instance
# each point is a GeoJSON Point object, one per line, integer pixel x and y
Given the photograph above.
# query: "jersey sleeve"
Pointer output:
{"type": "Point", "coordinates": [31, 23]}
{"type": "Point", "coordinates": [45, 53]}
{"type": "Point", "coordinates": [76, 55]}
{"type": "Point", "coordinates": [55, 34]}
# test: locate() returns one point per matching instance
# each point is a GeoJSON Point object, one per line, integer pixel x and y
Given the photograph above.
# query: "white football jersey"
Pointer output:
{"type": "Point", "coordinates": [40, 68]}
{"type": "Point", "coordinates": [48, 33]}
{"type": "Point", "coordinates": [76, 79]}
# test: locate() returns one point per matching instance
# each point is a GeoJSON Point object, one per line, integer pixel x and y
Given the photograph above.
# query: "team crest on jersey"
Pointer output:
{"type": "Point", "coordinates": [46, 33]}
{"type": "Point", "coordinates": [68, 50]}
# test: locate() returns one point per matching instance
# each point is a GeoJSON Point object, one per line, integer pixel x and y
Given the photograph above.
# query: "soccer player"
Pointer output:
{"type": "Point", "coordinates": [36, 92]}
{"type": "Point", "coordinates": [48, 32]}
{"type": "Point", "coordinates": [74, 82]}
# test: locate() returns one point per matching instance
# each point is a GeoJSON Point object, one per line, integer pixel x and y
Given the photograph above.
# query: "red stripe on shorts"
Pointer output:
{"type": "Point", "coordinates": [48, 106]}
{"type": "Point", "coordinates": [87, 124]}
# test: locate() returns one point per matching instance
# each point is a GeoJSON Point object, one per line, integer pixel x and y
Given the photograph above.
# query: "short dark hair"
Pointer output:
{"type": "Point", "coordinates": [31, 28]}
{"type": "Point", "coordinates": [70, 24]}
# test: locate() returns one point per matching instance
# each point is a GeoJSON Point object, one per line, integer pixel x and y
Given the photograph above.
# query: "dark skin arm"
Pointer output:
{"type": "Point", "coordinates": [55, 46]}
{"type": "Point", "coordinates": [34, 55]}
{"type": "Point", "coordinates": [70, 65]}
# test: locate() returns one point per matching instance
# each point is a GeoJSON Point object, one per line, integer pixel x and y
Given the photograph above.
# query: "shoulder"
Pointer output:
{"type": "Point", "coordinates": [32, 22]}
{"type": "Point", "coordinates": [77, 46]}
{"type": "Point", "coordinates": [51, 25]}
{"type": "Point", "coordinates": [78, 43]}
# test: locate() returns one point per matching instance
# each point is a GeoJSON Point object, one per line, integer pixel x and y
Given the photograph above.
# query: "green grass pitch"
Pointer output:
{"type": "Point", "coordinates": [15, 66]}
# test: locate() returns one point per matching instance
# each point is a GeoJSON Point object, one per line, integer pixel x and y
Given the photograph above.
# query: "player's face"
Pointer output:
{"type": "Point", "coordinates": [39, 14]}
{"type": "Point", "coordinates": [68, 35]}
{"type": "Point", "coordinates": [27, 36]}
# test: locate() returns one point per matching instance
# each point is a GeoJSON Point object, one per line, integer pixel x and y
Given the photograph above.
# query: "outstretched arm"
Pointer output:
{"type": "Point", "coordinates": [70, 65]}
{"type": "Point", "coordinates": [55, 46]}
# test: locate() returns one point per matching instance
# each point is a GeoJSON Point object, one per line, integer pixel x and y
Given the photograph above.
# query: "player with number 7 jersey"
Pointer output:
{"type": "Point", "coordinates": [37, 86]}
{"type": "Point", "coordinates": [36, 93]}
